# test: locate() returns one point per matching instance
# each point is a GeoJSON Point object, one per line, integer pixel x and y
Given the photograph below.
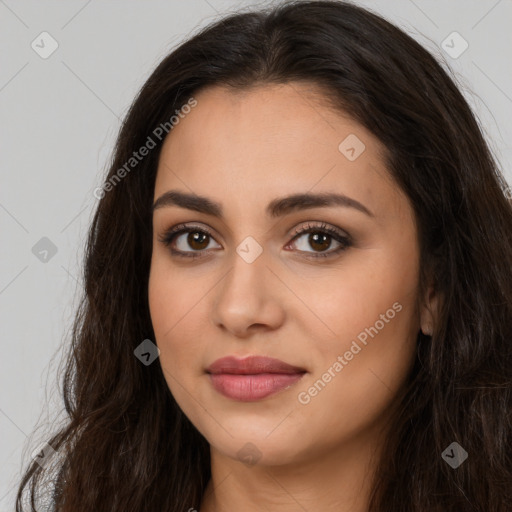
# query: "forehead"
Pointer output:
{"type": "Point", "coordinates": [271, 140]}
{"type": "Point", "coordinates": [277, 118]}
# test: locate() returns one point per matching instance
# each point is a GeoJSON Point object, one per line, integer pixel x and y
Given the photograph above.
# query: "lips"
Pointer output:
{"type": "Point", "coordinates": [252, 366]}
{"type": "Point", "coordinates": [252, 378]}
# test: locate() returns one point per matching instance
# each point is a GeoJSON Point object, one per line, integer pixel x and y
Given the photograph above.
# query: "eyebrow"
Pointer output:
{"type": "Point", "coordinates": [276, 208]}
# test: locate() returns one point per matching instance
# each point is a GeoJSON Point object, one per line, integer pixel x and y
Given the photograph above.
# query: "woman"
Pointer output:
{"type": "Point", "coordinates": [298, 284]}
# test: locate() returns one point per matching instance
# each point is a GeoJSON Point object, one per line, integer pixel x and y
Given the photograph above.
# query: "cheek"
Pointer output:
{"type": "Point", "coordinates": [175, 304]}
{"type": "Point", "coordinates": [178, 339]}
{"type": "Point", "coordinates": [358, 375]}
{"type": "Point", "coordinates": [350, 299]}
{"type": "Point", "coordinates": [370, 320]}
{"type": "Point", "coordinates": [173, 293]}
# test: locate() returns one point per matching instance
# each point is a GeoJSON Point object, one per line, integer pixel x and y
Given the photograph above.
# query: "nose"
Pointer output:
{"type": "Point", "coordinates": [247, 299]}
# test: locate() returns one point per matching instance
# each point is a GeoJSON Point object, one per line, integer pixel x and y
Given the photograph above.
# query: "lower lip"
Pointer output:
{"type": "Point", "coordinates": [249, 388]}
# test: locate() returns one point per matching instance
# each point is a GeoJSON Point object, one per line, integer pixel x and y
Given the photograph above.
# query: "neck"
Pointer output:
{"type": "Point", "coordinates": [339, 480]}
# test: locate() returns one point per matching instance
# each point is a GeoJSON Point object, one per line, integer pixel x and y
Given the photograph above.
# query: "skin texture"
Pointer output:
{"type": "Point", "coordinates": [242, 150]}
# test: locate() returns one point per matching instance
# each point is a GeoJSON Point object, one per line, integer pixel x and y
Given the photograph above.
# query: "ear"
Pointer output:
{"type": "Point", "coordinates": [429, 311]}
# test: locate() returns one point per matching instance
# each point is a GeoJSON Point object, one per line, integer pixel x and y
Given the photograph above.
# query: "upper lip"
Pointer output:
{"type": "Point", "coordinates": [252, 365]}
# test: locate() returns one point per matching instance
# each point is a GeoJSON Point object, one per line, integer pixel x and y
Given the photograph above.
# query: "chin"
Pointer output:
{"type": "Point", "coordinates": [254, 451]}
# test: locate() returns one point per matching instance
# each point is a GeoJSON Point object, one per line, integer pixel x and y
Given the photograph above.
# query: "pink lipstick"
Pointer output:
{"type": "Point", "coordinates": [252, 378]}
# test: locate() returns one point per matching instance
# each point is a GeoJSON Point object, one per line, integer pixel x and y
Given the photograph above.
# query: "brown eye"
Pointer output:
{"type": "Point", "coordinates": [196, 240]}
{"type": "Point", "coordinates": [194, 244]}
{"type": "Point", "coordinates": [320, 239]}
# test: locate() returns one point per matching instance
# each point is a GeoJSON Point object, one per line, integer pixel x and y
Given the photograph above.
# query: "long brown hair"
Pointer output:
{"type": "Point", "coordinates": [127, 446]}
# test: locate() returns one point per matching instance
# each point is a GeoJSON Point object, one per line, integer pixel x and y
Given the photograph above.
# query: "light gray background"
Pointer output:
{"type": "Point", "coordinates": [60, 116]}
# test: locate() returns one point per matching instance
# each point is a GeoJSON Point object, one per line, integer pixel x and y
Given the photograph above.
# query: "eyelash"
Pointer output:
{"type": "Point", "coordinates": [168, 237]}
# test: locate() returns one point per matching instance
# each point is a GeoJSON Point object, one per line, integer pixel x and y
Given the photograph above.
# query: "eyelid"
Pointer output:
{"type": "Point", "coordinates": [184, 227]}
{"type": "Point", "coordinates": [340, 236]}
{"type": "Point", "coordinates": [322, 226]}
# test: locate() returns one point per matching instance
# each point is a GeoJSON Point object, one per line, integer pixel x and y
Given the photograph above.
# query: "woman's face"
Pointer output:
{"type": "Point", "coordinates": [338, 302]}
